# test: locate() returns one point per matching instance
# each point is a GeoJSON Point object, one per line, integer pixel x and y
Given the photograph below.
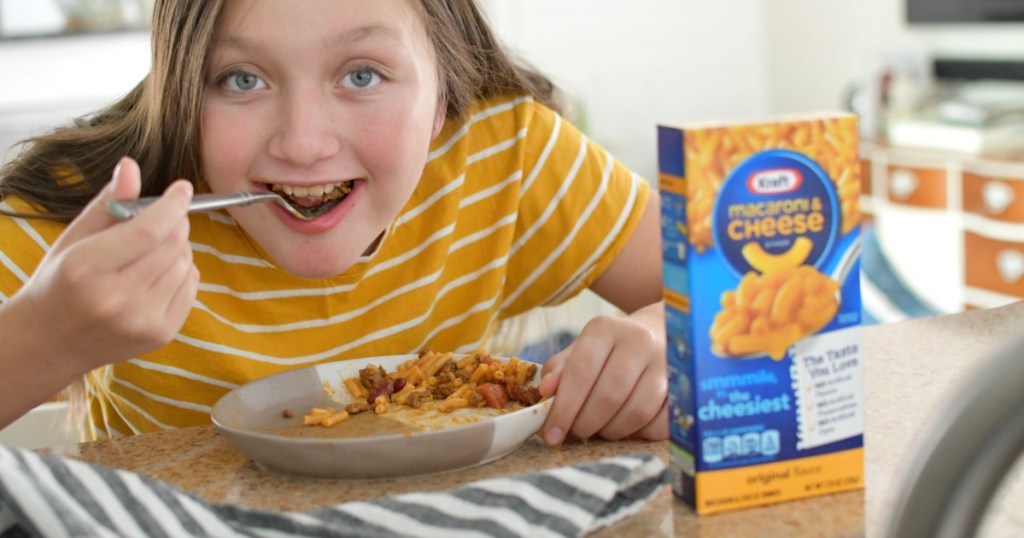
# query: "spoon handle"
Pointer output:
{"type": "Point", "coordinates": [126, 209]}
{"type": "Point", "coordinates": [842, 269]}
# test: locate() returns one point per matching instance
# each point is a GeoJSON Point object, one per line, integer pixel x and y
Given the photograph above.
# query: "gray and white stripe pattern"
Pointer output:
{"type": "Point", "coordinates": [44, 495]}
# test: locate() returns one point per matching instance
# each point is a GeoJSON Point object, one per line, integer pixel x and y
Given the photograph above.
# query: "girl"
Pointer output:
{"type": "Point", "coordinates": [449, 197]}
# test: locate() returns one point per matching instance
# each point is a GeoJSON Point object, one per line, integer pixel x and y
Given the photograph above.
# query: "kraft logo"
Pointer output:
{"type": "Point", "coordinates": [775, 181]}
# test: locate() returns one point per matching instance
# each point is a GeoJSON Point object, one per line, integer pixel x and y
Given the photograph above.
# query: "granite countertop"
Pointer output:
{"type": "Point", "coordinates": [910, 369]}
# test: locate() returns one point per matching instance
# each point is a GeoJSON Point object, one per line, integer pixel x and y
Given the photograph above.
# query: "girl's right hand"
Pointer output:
{"type": "Point", "coordinates": [109, 290]}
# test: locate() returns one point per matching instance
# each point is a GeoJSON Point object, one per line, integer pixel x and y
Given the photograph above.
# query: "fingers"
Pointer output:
{"type": "Point", "coordinates": [113, 289]}
{"type": "Point", "coordinates": [125, 184]}
{"type": "Point", "coordinates": [185, 296]}
{"type": "Point", "coordinates": [128, 242]}
{"type": "Point", "coordinates": [612, 382]}
{"type": "Point", "coordinates": [577, 373]}
{"type": "Point", "coordinates": [656, 429]}
{"type": "Point", "coordinates": [640, 410]}
{"type": "Point", "coordinates": [151, 247]}
{"type": "Point", "coordinates": [162, 271]}
{"type": "Point", "coordinates": [551, 372]}
{"type": "Point", "coordinates": [179, 293]}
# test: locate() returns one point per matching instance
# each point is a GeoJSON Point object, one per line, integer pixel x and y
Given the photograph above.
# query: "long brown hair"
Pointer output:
{"type": "Point", "coordinates": [157, 122]}
{"type": "Point", "coordinates": [472, 63]}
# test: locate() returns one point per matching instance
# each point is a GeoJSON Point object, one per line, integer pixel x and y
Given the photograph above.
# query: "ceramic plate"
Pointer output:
{"type": "Point", "coordinates": [253, 418]}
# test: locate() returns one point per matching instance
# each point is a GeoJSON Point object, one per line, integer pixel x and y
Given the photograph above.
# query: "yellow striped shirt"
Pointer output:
{"type": "Point", "coordinates": [516, 209]}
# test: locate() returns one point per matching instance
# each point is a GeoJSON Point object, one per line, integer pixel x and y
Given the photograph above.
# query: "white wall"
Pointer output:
{"type": "Point", "coordinates": [639, 63]}
{"type": "Point", "coordinates": [817, 49]}
{"type": "Point", "coordinates": [44, 82]}
{"type": "Point", "coordinates": [631, 64]}
{"type": "Point", "coordinates": [630, 67]}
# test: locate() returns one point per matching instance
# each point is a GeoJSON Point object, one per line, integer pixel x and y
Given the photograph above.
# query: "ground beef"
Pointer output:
{"type": "Point", "coordinates": [493, 394]}
{"type": "Point", "coordinates": [356, 407]}
{"type": "Point", "coordinates": [372, 377]}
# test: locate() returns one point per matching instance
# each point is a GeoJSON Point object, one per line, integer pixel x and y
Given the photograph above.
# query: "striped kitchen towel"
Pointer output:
{"type": "Point", "coordinates": [44, 495]}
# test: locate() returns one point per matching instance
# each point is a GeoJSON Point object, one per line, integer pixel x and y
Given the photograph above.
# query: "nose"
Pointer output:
{"type": "Point", "coordinates": [305, 131]}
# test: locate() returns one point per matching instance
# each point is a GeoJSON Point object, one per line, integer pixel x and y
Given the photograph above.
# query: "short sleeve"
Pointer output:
{"type": "Point", "coordinates": [23, 243]}
{"type": "Point", "coordinates": [578, 208]}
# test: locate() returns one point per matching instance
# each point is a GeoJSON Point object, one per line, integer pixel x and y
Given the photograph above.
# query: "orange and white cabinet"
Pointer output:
{"type": "Point", "coordinates": [993, 207]}
{"type": "Point", "coordinates": [951, 225]}
{"type": "Point", "coordinates": [917, 226]}
{"type": "Point", "coordinates": [917, 185]}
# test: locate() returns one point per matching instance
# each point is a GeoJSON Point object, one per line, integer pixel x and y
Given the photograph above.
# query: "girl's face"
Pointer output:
{"type": "Point", "coordinates": [332, 103]}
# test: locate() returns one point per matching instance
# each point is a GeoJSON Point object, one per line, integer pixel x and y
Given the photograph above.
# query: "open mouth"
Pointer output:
{"type": "Point", "coordinates": [313, 200]}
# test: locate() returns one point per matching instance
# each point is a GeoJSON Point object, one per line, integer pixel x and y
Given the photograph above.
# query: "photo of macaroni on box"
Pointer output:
{"type": "Point", "coordinates": [761, 254]}
{"type": "Point", "coordinates": [771, 311]}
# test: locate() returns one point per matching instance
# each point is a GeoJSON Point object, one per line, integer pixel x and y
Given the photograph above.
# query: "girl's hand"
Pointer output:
{"type": "Point", "coordinates": [109, 290]}
{"type": "Point", "coordinates": [612, 381]}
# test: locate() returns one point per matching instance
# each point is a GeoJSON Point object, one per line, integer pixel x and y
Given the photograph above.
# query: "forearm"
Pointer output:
{"type": "Point", "coordinates": [33, 367]}
{"type": "Point", "coordinates": [105, 291]}
{"type": "Point", "coordinates": [634, 280]}
{"type": "Point", "coordinates": [652, 316]}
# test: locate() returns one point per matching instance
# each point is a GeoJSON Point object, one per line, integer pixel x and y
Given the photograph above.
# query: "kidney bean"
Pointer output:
{"type": "Point", "coordinates": [386, 388]}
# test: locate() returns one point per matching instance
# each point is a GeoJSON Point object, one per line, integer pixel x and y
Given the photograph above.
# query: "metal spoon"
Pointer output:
{"type": "Point", "coordinates": [126, 209]}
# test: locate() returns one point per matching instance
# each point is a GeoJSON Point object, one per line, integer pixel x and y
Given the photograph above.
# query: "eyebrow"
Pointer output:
{"type": "Point", "coordinates": [348, 37]}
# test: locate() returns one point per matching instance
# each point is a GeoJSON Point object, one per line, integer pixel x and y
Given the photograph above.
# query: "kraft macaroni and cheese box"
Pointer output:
{"type": "Point", "coordinates": [761, 245]}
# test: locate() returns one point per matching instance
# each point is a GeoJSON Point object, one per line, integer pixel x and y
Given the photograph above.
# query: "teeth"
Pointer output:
{"type": "Point", "coordinates": [314, 191]}
{"type": "Point", "coordinates": [307, 197]}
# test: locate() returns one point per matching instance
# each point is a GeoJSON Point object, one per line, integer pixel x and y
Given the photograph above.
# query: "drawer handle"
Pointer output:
{"type": "Point", "coordinates": [997, 196]}
{"type": "Point", "coordinates": [902, 184]}
{"type": "Point", "coordinates": [1010, 264]}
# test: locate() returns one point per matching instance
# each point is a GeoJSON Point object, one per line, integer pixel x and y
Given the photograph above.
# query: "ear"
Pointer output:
{"type": "Point", "coordinates": [439, 117]}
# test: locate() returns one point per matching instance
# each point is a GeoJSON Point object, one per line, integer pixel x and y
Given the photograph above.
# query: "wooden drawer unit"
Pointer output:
{"type": "Point", "coordinates": [867, 208]}
{"type": "Point", "coordinates": [952, 222]}
{"type": "Point", "coordinates": [993, 191]}
{"type": "Point", "coordinates": [994, 264]}
{"type": "Point", "coordinates": [865, 177]}
{"type": "Point", "coordinates": [919, 186]}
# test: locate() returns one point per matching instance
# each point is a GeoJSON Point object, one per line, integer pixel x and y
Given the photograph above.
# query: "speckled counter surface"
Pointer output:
{"type": "Point", "coordinates": [910, 369]}
{"type": "Point", "coordinates": [199, 460]}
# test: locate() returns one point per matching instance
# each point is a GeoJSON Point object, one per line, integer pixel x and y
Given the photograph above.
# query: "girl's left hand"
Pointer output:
{"type": "Point", "coordinates": [612, 381]}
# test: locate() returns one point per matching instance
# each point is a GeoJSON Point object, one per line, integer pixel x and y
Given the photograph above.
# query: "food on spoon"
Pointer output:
{"type": "Point", "coordinates": [314, 200]}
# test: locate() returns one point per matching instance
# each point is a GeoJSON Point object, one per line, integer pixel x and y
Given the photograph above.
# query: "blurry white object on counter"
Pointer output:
{"type": "Point", "coordinates": [928, 131]}
{"type": "Point", "coordinates": [44, 426]}
{"type": "Point", "coordinates": [976, 117]}
{"type": "Point", "coordinates": [984, 103]}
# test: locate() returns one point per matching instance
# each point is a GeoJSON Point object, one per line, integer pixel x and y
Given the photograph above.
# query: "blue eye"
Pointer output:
{"type": "Point", "coordinates": [243, 82]}
{"type": "Point", "coordinates": [361, 78]}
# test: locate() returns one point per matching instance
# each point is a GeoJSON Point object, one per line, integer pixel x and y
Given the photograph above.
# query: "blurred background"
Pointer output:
{"type": "Point", "coordinates": [938, 86]}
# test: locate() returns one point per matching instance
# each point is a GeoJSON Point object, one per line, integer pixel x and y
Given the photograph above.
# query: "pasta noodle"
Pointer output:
{"type": "Point", "coordinates": [442, 382]}
{"type": "Point", "coordinates": [770, 312]}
